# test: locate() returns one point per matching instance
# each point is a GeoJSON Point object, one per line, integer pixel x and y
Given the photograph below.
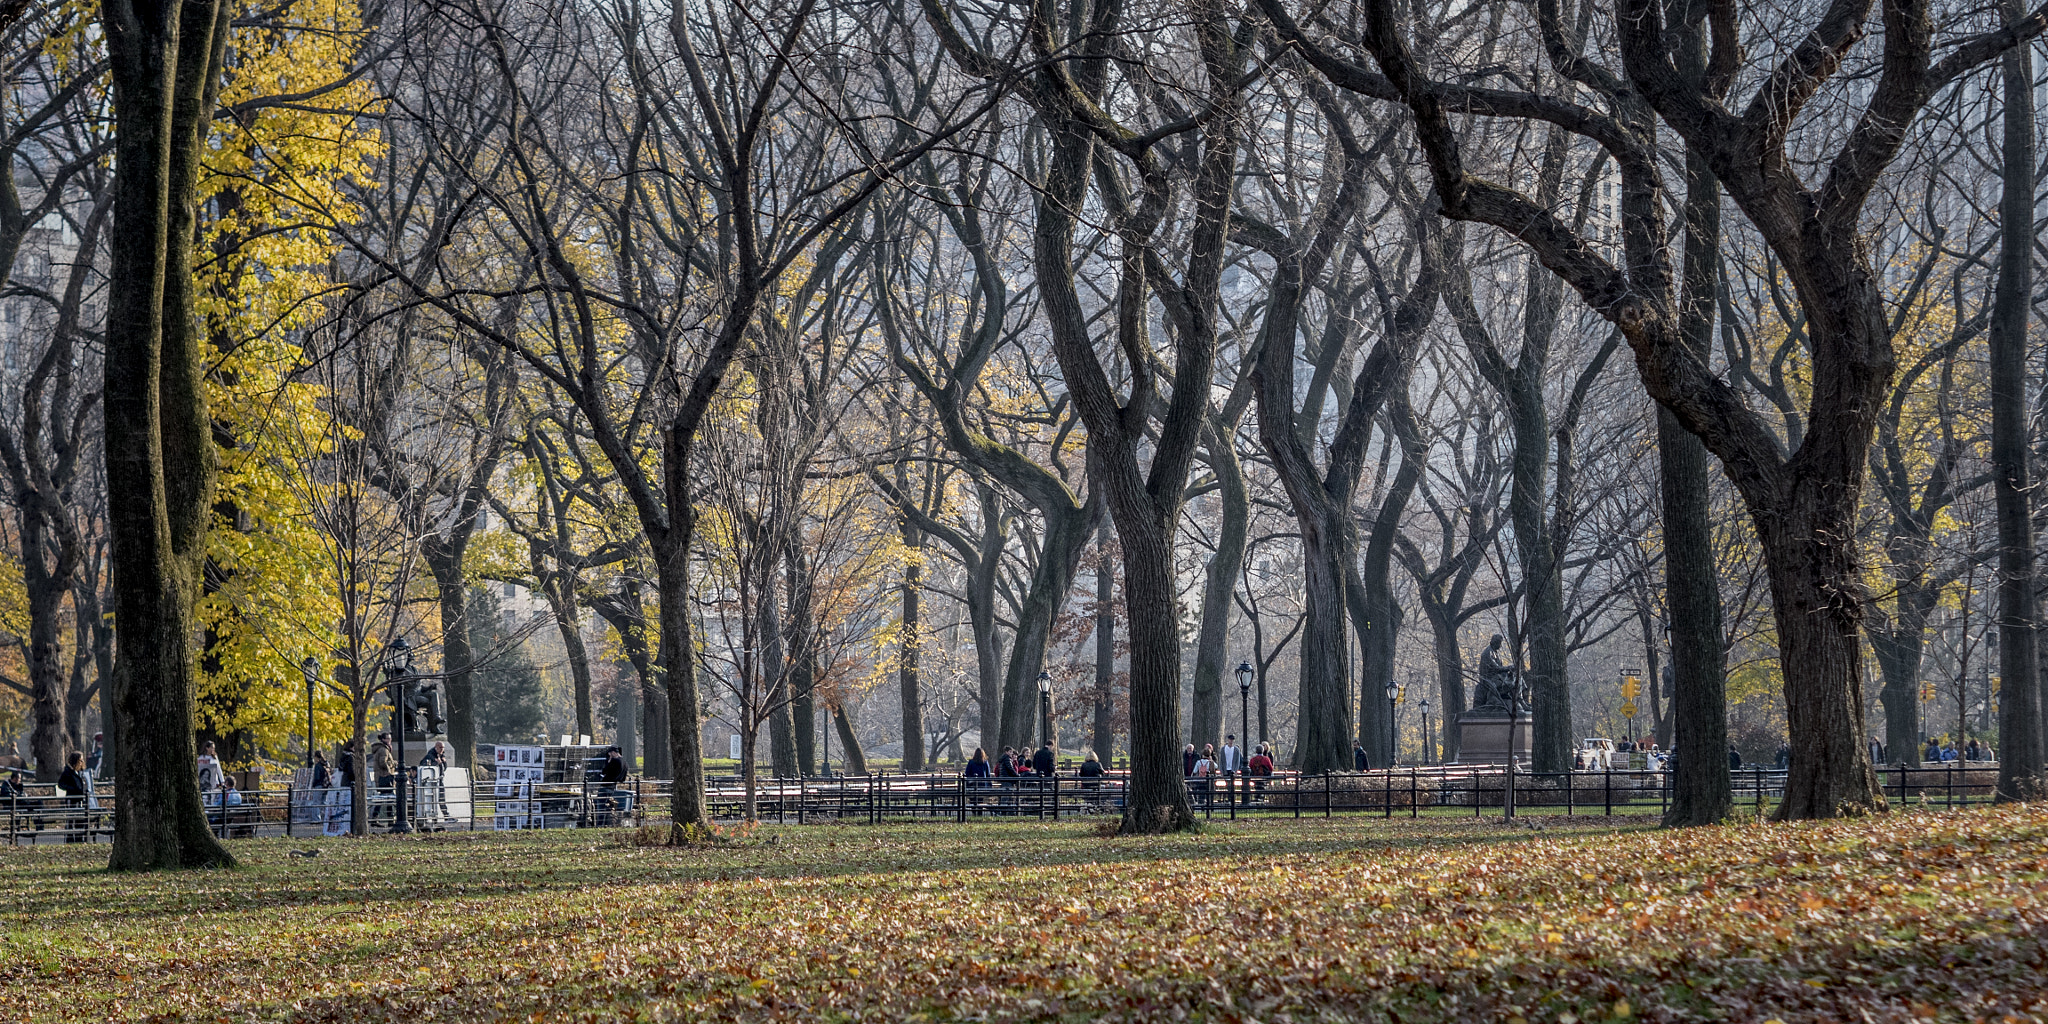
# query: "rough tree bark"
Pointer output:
{"type": "Point", "coordinates": [1104, 736]}
{"type": "Point", "coordinates": [159, 441]}
{"type": "Point", "coordinates": [1701, 793]}
{"type": "Point", "coordinates": [2022, 753]}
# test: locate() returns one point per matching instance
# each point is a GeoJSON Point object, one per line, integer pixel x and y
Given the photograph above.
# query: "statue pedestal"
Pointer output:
{"type": "Point", "coordinates": [1484, 737]}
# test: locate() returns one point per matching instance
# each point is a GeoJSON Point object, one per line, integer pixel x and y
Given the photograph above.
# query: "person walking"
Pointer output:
{"type": "Point", "coordinates": [617, 803]}
{"type": "Point", "coordinates": [384, 769]}
{"type": "Point", "coordinates": [210, 774]}
{"type": "Point", "coordinates": [98, 755]}
{"type": "Point", "coordinates": [1734, 757]}
{"type": "Point", "coordinates": [1042, 762]}
{"type": "Point", "coordinates": [1187, 762]}
{"type": "Point", "coordinates": [323, 777]}
{"type": "Point", "coordinates": [1205, 767]}
{"type": "Point", "coordinates": [1233, 758]}
{"type": "Point", "coordinates": [1359, 762]}
{"type": "Point", "coordinates": [76, 784]}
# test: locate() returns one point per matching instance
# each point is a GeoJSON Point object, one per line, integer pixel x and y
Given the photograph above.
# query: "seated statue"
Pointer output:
{"type": "Point", "coordinates": [1497, 683]}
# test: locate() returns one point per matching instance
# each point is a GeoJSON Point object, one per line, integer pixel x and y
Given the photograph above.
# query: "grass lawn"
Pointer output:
{"type": "Point", "coordinates": [1912, 916]}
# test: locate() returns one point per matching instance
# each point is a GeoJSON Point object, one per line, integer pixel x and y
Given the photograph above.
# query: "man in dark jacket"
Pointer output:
{"type": "Point", "coordinates": [1734, 757]}
{"type": "Point", "coordinates": [1358, 759]}
{"type": "Point", "coordinates": [1041, 762]}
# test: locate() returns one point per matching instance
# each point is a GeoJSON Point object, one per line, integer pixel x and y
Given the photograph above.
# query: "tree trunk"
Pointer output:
{"type": "Point", "coordinates": [560, 588]}
{"type": "Point", "coordinates": [1450, 677]}
{"type": "Point", "coordinates": [159, 443]}
{"type": "Point", "coordinates": [1105, 649]}
{"type": "Point", "coordinates": [913, 638]}
{"type": "Point", "coordinates": [849, 744]}
{"type": "Point", "coordinates": [672, 566]}
{"type": "Point", "coordinates": [775, 672]}
{"type": "Point", "coordinates": [457, 683]}
{"type": "Point", "coordinates": [981, 617]}
{"type": "Point", "coordinates": [2022, 748]}
{"type": "Point", "coordinates": [1700, 789]}
{"type": "Point", "coordinates": [1814, 588]}
{"type": "Point", "coordinates": [50, 709]}
{"type": "Point", "coordinates": [1900, 648]}
{"type": "Point", "coordinates": [1212, 660]}
{"type": "Point", "coordinates": [1377, 638]}
{"type": "Point", "coordinates": [1322, 737]}
{"type": "Point", "coordinates": [626, 714]}
{"type": "Point", "coordinates": [1059, 560]}
{"type": "Point", "coordinates": [625, 613]}
{"type": "Point", "coordinates": [803, 669]}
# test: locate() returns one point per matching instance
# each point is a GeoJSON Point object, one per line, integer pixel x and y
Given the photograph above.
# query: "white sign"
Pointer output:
{"type": "Point", "coordinates": [735, 746]}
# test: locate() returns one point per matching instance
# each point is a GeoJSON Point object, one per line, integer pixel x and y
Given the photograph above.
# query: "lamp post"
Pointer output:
{"type": "Point", "coordinates": [1428, 744]}
{"type": "Point", "coordinates": [1045, 708]}
{"type": "Point", "coordinates": [1514, 714]}
{"type": "Point", "coordinates": [1393, 695]}
{"type": "Point", "coordinates": [1245, 672]}
{"type": "Point", "coordinates": [397, 671]}
{"type": "Point", "coordinates": [311, 668]}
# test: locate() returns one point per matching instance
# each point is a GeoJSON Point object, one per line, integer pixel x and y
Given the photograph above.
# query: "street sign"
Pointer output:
{"type": "Point", "coordinates": [1628, 710]}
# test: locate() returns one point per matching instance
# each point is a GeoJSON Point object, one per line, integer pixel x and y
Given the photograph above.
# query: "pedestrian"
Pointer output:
{"type": "Point", "coordinates": [1187, 762]}
{"type": "Point", "coordinates": [437, 755]}
{"type": "Point", "coordinates": [1260, 766]}
{"type": "Point", "coordinates": [1205, 766]}
{"type": "Point", "coordinates": [210, 775]}
{"type": "Point", "coordinates": [1233, 758]}
{"type": "Point", "coordinates": [1784, 757]}
{"type": "Point", "coordinates": [1042, 762]}
{"type": "Point", "coordinates": [1734, 757]}
{"type": "Point", "coordinates": [384, 769]}
{"type": "Point", "coordinates": [1933, 751]}
{"type": "Point", "coordinates": [322, 777]}
{"type": "Point", "coordinates": [1359, 762]}
{"type": "Point", "coordinates": [1578, 760]}
{"type": "Point", "coordinates": [98, 755]}
{"type": "Point", "coordinates": [616, 802]}
{"type": "Point", "coordinates": [349, 765]}
{"type": "Point", "coordinates": [1876, 751]}
{"type": "Point", "coordinates": [76, 784]}
{"type": "Point", "coordinates": [977, 774]}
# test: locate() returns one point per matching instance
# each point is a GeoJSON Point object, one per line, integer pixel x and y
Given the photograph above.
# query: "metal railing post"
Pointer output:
{"type": "Point", "coordinates": [1414, 792]}
{"type": "Point", "coordinates": [1608, 785]}
{"type": "Point", "coordinates": [1951, 798]}
{"type": "Point", "coordinates": [1326, 794]}
{"type": "Point", "coordinates": [288, 808]}
{"type": "Point", "coordinates": [1759, 776]}
{"type": "Point", "coordinates": [1571, 782]}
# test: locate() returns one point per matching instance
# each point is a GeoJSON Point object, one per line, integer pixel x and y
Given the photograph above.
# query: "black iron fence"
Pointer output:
{"type": "Point", "coordinates": [41, 815]}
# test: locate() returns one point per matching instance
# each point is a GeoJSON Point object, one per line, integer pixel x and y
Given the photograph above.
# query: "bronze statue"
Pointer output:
{"type": "Point", "coordinates": [1497, 685]}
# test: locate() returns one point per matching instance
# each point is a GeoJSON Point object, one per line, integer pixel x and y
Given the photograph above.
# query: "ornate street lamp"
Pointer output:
{"type": "Point", "coordinates": [1427, 744]}
{"type": "Point", "coordinates": [1045, 708]}
{"type": "Point", "coordinates": [311, 668]}
{"type": "Point", "coordinates": [398, 680]}
{"type": "Point", "coordinates": [1393, 695]}
{"type": "Point", "coordinates": [1245, 672]}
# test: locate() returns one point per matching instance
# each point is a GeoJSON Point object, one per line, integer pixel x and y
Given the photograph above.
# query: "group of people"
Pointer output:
{"type": "Point", "coordinates": [1014, 764]}
{"type": "Point", "coordinates": [1939, 751]}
